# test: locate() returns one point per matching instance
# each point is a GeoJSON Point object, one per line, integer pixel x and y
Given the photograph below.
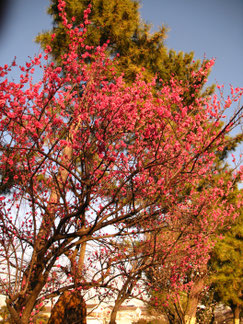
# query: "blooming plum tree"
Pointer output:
{"type": "Point", "coordinates": [96, 160]}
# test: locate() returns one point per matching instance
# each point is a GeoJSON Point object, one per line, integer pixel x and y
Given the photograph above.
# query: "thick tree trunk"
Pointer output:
{"type": "Point", "coordinates": [194, 298]}
{"type": "Point", "coordinates": [114, 313]}
{"type": "Point", "coordinates": [190, 319]}
{"type": "Point", "coordinates": [236, 313]}
{"type": "Point", "coordinates": [122, 296]}
{"type": "Point", "coordinates": [70, 308]}
{"type": "Point", "coordinates": [115, 309]}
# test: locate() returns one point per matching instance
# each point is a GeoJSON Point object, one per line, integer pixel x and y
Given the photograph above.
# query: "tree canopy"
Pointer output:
{"type": "Point", "coordinates": [227, 267]}
{"type": "Point", "coordinates": [97, 160]}
{"type": "Point", "coordinates": [138, 48]}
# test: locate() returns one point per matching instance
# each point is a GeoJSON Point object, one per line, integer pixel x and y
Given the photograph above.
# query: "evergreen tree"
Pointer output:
{"type": "Point", "coordinates": [223, 273]}
{"type": "Point", "coordinates": [227, 267]}
{"type": "Point", "coordinates": [138, 48]}
{"type": "Point", "coordinates": [130, 38]}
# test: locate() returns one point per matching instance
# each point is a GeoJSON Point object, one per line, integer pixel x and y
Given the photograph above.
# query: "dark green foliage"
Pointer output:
{"type": "Point", "coordinates": [227, 266]}
{"type": "Point", "coordinates": [138, 48]}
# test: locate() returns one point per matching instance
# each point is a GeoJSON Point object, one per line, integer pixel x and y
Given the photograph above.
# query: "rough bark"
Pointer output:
{"type": "Point", "coordinates": [70, 308]}
{"type": "Point", "coordinates": [114, 313]}
{"type": "Point", "coordinates": [122, 296]}
{"type": "Point", "coordinates": [236, 313]}
{"type": "Point", "coordinates": [190, 319]}
{"type": "Point", "coordinates": [194, 298]}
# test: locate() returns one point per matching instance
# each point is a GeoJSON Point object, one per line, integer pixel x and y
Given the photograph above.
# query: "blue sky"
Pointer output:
{"type": "Point", "coordinates": [211, 28]}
